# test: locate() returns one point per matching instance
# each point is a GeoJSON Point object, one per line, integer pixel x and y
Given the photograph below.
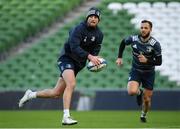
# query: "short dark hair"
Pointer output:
{"type": "Point", "coordinates": [147, 21]}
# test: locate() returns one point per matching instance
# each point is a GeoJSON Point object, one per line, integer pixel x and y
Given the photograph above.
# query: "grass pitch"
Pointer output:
{"type": "Point", "coordinates": [89, 119]}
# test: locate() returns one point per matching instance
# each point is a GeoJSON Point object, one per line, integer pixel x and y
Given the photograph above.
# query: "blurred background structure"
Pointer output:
{"type": "Point", "coordinates": [32, 34]}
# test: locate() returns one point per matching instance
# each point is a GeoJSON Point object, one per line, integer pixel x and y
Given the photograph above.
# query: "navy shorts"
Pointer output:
{"type": "Point", "coordinates": [146, 79]}
{"type": "Point", "coordinates": [65, 62]}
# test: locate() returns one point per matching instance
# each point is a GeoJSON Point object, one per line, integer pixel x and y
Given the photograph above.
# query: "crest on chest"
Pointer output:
{"type": "Point", "coordinates": [91, 38]}
{"type": "Point", "coordinates": [149, 49]}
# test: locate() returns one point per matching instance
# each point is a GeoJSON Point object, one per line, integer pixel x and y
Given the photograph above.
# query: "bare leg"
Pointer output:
{"type": "Point", "coordinates": [64, 85]}
{"type": "Point", "coordinates": [147, 100]}
{"type": "Point", "coordinates": [146, 104]}
{"type": "Point", "coordinates": [133, 88]}
{"type": "Point", "coordinates": [56, 92]}
{"type": "Point", "coordinates": [70, 81]}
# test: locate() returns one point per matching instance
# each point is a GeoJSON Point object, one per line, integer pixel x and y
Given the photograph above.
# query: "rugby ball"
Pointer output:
{"type": "Point", "coordinates": [96, 68]}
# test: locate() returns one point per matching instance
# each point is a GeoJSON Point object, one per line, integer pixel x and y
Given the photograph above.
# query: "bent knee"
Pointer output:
{"type": "Point", "coordinates": [147, 99]}
{"type": "Point", "coordinates": [55, 93]}
{"type": "Point", "coordinates": [132, 92]}
{"type": "Point", "coordinates": [133, 87]}
{"type": "Point", "coordinates": [71, 85]}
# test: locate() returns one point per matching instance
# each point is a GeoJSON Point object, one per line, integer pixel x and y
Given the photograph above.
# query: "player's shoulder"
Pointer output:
{"type": "Point", "coordinates": [80, 25]}
{"type": "Point", "coordinates": [78, 28]}
{"type": "Point", "coordinates": [99, 31]}
{"type": "Point", "coordinates": [133, 38]}
{"type": "Point", "coordinates": [154, 42]}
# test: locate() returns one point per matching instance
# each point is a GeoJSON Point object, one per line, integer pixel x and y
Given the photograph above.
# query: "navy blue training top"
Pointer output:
{"type": "Point", "coordinates": [150, 49]}
{"type": "Point", "coordinates": [83, 40]}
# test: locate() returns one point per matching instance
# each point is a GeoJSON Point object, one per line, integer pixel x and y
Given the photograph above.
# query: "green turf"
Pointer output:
{"type": "Point", "coordinates": [89, 119]}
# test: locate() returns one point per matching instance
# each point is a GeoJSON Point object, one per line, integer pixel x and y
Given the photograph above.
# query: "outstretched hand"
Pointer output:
{"type": "Point", "coordinates": [119, 61]}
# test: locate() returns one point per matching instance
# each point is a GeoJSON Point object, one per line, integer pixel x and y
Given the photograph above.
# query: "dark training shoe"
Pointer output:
{"type": "Point", "coordinates": [139, 98]}
{"type": "Point", "coordinates": [143, 119]}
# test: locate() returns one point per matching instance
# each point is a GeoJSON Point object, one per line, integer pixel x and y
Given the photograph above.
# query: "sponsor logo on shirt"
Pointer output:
{"type": "Point", "coordinates": [93, 38]}
{"type": "Point", "coordinates": [135, 46]}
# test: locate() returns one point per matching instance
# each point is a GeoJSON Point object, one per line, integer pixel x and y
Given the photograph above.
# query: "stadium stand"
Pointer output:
{"type": "Point", "coordinates": [36, 67]}
{"type": "Point", "coordinates": [21, 19]}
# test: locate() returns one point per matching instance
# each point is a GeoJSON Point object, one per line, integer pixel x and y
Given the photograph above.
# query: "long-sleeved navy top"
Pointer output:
{"type": "Point", "coordinates": [150, 49]}
{"type": "Point", "coordinates": [83, 40]}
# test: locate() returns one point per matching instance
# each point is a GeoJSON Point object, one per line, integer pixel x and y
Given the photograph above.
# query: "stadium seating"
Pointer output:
{"type": "Point", "coordinates": [29, 69]}
{"type": "Point", "coordinates": [22, 19]}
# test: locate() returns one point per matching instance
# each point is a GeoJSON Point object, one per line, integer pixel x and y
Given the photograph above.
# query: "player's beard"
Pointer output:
{"type": "Point", "coordinates": [145, 36]}
{"type": "Point", "coordinates": [92, 24]}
